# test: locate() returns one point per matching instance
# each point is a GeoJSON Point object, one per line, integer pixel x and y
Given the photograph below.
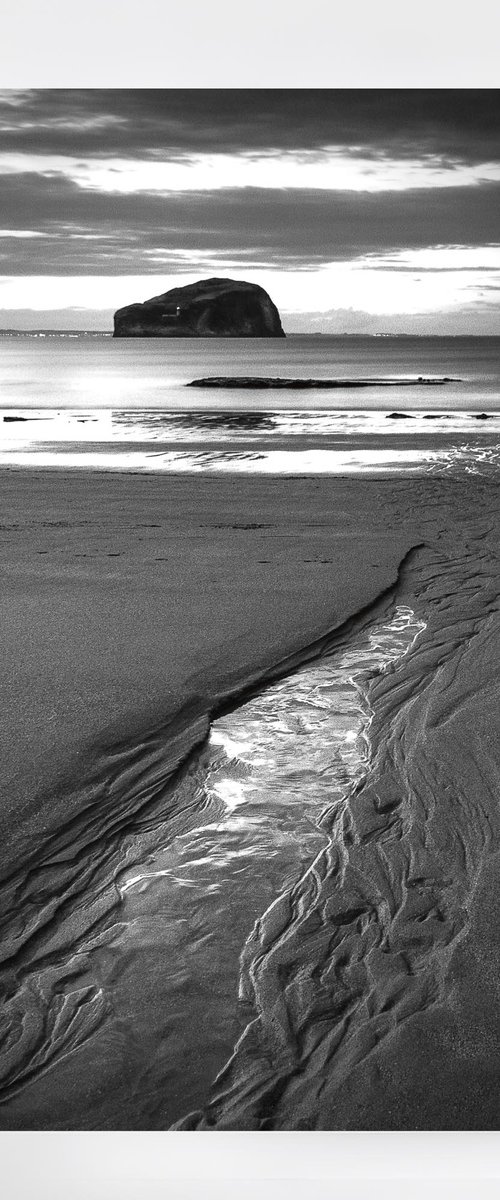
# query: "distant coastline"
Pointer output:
{"type": "Point", "coordinates": [69, 333]}
{"type": "Point", "coordinates": [107, 333]}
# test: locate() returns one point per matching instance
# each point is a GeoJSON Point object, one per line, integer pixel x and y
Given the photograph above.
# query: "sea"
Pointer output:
{"type": "Point", "coordinates": [88, 401]}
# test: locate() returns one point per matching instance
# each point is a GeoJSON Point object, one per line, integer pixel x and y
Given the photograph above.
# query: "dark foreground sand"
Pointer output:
{"type": "Point", "coordinates": [133, 607]}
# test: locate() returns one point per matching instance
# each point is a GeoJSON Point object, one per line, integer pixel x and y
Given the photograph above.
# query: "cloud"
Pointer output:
{"type": "Point", "coordinates": [460, 124]}
{"type": "Point", "coordinates": [370, 285]}
{"type": "Point", "coordinates": [86, 231]}
{"type": "Point", "coordinates": [329, 169]}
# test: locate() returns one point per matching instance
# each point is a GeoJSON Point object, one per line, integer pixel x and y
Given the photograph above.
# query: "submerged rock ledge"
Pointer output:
{"type": "Point", "coordinates": [209, 308]}
{"type": "Point", "coordinates": [270, 381]}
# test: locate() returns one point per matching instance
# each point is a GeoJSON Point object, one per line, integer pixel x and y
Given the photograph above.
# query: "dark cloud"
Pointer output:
{"type": "Point", "coordinates": [93, 232]}
{"type": "Point", "coordinates": [458, 124]}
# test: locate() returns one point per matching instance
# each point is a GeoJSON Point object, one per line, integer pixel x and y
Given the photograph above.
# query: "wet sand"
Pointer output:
{"type": "Point", "coordinates": [136, 607]}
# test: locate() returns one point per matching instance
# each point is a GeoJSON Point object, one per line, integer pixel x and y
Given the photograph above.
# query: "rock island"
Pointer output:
{"type": "Point", "coordinates": [208, 308]}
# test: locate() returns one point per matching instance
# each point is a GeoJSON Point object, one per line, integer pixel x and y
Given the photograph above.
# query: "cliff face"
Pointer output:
{"type": "Point", "coordinates": [209, 308]}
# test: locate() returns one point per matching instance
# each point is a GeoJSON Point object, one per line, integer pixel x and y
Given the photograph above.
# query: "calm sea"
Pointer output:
{"type": "Point", "coordinates": [85, 401]}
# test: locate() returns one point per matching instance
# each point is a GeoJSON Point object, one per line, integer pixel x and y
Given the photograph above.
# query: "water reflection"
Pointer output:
{"type": "Point", "coordinates": [299, 462]}
{"type": "Point", "coordinates": [28, 427]}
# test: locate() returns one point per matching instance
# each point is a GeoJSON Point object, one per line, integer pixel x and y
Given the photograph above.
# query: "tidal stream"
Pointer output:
{"type": "Point", "coordinates": [273, 768]}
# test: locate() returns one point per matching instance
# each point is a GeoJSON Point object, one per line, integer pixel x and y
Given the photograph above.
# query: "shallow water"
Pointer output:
{"type": "Point", "coordinates": [271, 442]}
{"type": "Point", "coordinates": [274, 462]}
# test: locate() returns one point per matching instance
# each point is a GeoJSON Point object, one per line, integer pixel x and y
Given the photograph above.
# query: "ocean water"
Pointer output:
{"type": "Point", "coordinates": [79, 401]}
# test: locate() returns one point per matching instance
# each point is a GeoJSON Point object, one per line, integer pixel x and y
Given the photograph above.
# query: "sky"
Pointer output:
{"type": "Point", "coordinates": [359, 211]}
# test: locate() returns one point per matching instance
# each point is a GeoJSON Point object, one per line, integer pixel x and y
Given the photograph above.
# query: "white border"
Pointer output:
{"type": "Point", "coordinates": [250, 1166]}
{"type": "Point", "coordinates": [265, 43]}
{"type": "Point", "coordinates": [250, 43]}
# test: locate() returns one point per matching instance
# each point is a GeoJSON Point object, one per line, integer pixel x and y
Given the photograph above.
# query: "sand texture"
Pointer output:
{"type": "Point", "coordinates": [135, 608]}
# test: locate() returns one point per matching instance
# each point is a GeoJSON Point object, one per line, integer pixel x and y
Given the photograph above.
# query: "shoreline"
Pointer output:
{"type": "Point", "coordinates": [404, 450]}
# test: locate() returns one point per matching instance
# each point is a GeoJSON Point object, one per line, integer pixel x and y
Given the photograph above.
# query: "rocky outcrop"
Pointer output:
{"type": "Point", "coordinates": [209, 308]}
{"type": "Point", "coordinates": [265, 381]}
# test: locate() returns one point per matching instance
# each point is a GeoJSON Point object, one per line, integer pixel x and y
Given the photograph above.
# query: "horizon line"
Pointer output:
{"type": "Point", "coordinates": [10, 330]}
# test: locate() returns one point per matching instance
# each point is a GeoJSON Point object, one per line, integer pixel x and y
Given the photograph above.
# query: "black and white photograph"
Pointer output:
{"type": "Point", "coordinates": [250, 686]}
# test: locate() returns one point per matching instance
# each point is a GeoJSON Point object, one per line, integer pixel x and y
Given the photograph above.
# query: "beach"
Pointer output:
{"type": "Point", "coordinates": [137, 609]}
